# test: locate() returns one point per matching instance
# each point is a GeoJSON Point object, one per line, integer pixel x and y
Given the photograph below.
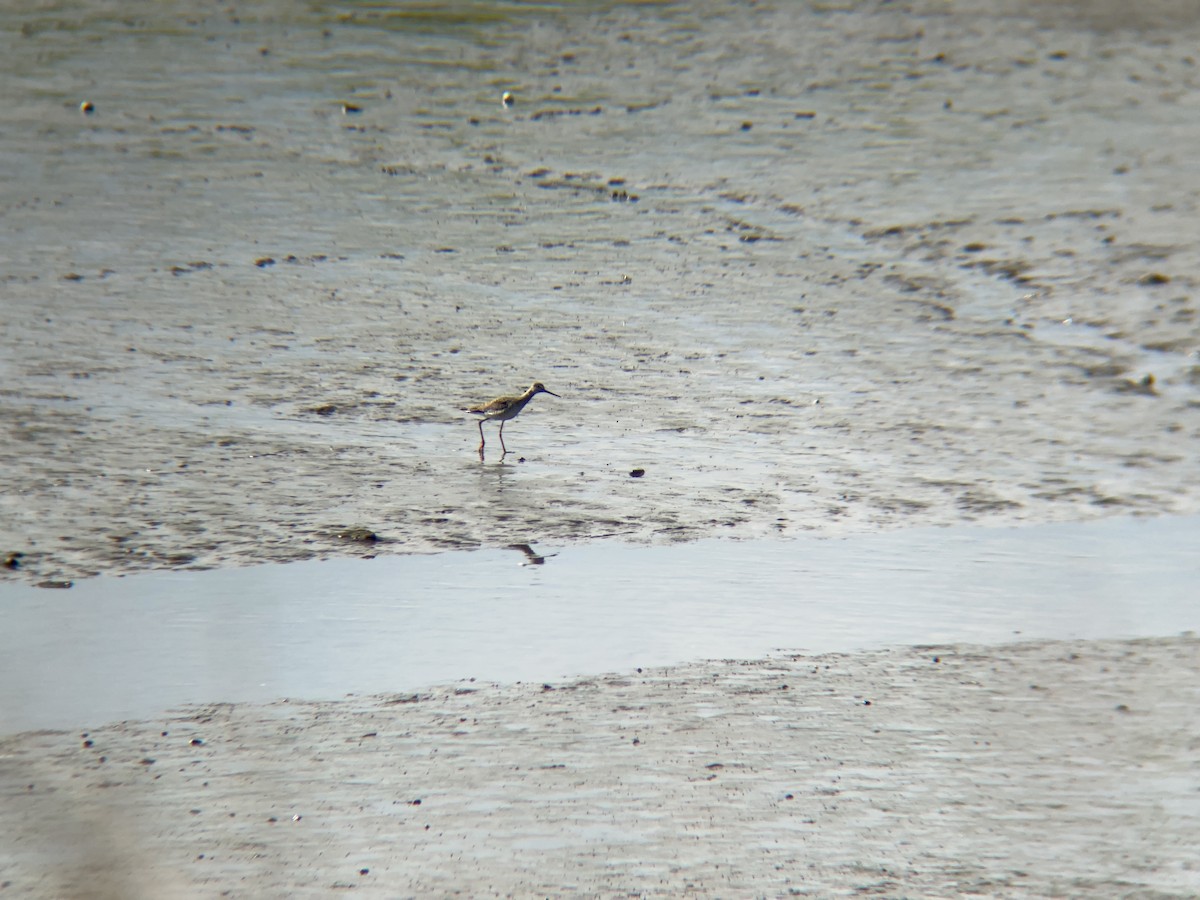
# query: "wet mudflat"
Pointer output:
{"type": "Point", "coordinates": [819, 269]}
{"type": "Point", "coordinates": [1051, 769]}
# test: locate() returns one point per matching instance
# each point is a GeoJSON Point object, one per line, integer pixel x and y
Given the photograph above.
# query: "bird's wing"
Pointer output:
{"type": "Point", "coordinates": [499, 405]}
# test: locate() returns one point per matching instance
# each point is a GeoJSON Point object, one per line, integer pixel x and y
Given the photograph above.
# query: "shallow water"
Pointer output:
{"type": "Point", "coordinates": [132, 647]}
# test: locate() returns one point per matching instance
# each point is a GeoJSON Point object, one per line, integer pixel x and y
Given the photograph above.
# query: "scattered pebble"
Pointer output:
{"type": "Point", "coordinates": [358, 535]}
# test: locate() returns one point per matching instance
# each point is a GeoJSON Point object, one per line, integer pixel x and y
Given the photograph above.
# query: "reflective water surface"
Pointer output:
{"type": "Point", "coordinates": [132, 647]}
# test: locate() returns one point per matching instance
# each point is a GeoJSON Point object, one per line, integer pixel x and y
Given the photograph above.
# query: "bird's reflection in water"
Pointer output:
{"type": "Point", "coordinates": [532, 557]}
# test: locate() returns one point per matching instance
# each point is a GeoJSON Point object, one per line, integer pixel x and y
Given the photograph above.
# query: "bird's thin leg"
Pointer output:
{"type": "Point", "coordinates": [481, 437]}
{"type": "Point", "coordinates": [502, 447]}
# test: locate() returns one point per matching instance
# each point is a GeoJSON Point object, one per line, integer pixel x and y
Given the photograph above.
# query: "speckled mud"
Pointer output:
{"type": "Point", "coordinates": [1035, 770]}
{"type": "Point", "coordinates": [824, 268]}
{"type": "Point", "coordinates": [808, 267]}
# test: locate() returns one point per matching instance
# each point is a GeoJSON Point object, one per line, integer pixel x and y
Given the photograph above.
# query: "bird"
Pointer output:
{"type": "Point", "coordinates": [504, 408]}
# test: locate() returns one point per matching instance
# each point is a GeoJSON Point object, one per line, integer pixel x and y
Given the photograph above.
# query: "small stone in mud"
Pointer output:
{"type": "Point", "coordinates": [13, 560]}
{"type": "Point", "coordinates": [87, 107]}
{"type": "Point", "coordinates": [360, 535]}
{"type": "Point", "coordinates": [1154, 278]}
{"type": "Point", "coordinates": [637, 473]}
{"type": "Point", "coordinates": [263, 262]}
{"type": "Point", "coordinates": [325, 409]}
{"type": "Point", "coordinates": [196, 742]}
{"type": "Point", "coordinates": [507, 99]}
{"type": "Point", "coordinates": [746, 126]}
{"type": "Point", "coordinates": [349, 109]}
{"type": "Point", "coordinates": [61, 585]}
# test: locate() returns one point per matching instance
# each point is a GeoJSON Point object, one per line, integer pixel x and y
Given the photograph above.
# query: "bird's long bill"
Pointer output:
{"type": "Point", "coordinates": [551, 393]}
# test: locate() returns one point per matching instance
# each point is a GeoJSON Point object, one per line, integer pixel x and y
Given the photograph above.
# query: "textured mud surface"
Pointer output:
{"type": "Point", "coordinates": [1035, 770]}
{"type": "Point", "coordinates": [842, 267]}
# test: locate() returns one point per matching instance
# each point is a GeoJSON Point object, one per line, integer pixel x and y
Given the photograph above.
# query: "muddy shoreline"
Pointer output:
{"type": "Point", "coordinates": [820, 269]}
{"type": "Point", "coordinates": [889, 268]}
{"type": "Point", "coordinates": [1040, 769]}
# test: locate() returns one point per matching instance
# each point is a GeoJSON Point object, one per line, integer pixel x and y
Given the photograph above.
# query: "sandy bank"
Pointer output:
{"type": "Point", "coordinates": [1040, 769]}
